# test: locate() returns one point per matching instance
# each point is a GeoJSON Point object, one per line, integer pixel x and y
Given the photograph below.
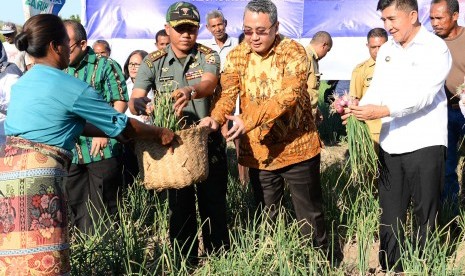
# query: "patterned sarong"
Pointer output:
{"type": "Point", "coordinates": [33, 216]}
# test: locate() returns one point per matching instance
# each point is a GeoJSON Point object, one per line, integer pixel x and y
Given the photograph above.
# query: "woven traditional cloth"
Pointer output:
{"type": "Point", "coordinates": [188, 164]}
{"type": "Point", "coordinates": [33, 221]}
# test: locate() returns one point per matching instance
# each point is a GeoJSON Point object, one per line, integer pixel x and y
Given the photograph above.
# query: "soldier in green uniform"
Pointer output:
{"type": "Point", "coordinates": [190, 71]}
{"type": "Point", "coordinates": [363, 73]}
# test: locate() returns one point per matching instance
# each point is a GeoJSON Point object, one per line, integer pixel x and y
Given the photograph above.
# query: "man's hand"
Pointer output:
{"type": "Point", "coordinates": [182, 97]}
{"type": "Point", "coordinates": [98, 144]}
{"type": "Point", "coordinates": [237, 129]}
{"type": "Point", "coordinates": [165, 136]}
{"type": "Point", "coordinates": [141, 105]}
{"type": "Point", "coordinates": [369, 112]}
{"type": "Point", "coordinates": [210, 123]}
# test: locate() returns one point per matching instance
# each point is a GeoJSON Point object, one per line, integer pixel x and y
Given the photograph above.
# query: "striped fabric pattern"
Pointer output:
{"type": "Point", "coordinates": [105, 76]}
{"type": "Point", "coordinates": [33, 217]}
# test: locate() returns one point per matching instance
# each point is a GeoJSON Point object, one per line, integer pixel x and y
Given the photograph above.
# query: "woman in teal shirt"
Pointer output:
{"type": "Point", "coordinates": [48, 110]}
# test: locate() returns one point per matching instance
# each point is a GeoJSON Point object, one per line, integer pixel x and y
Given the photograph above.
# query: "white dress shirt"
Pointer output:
{"type": "Point", "coordinates": [410, 82]}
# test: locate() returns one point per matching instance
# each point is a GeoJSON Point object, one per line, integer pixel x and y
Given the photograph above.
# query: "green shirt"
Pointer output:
{"type": "Point", "coordinates": [163, 72]}
{"type": "Point", "coordinates": [106, 77]}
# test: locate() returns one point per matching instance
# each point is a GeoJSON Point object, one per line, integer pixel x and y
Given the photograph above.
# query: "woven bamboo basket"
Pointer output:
{"type": "Point", "coordinates": [187, 165]}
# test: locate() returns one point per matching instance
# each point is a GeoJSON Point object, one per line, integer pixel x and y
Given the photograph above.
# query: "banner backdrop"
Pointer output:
{"type": "Point", "coordinates": [34, 7]}
{"type": "Point", "coordinates": [132, 24]}
{"type": "Point", "coordinates": [298, 18]}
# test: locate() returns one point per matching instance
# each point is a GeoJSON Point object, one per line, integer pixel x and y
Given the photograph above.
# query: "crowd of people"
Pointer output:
{"type": "Point", "coordinates": [68, 113]}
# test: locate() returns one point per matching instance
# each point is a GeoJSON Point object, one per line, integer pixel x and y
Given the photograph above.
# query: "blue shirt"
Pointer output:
{"type": "Point", "coordinates": [51, 107]}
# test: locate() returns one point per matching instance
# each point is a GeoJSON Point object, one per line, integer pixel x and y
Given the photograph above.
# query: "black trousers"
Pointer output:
{"type": "Point", "coordinates": [211, 197]}
{"type": "Point", "coordinates": [417, 176]}
{"type": "Point", "coordinates": [94, 183]}
{"type": "Point", "coordinates": [305, 186]}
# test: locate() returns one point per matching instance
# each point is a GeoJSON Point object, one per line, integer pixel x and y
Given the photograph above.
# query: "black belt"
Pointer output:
{"type": "Point", "coordinates": [454, 106]}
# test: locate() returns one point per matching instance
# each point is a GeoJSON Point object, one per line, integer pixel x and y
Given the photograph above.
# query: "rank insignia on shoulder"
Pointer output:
{"type": "Point", "coordinates": [149, 63]}
{"type": "Point", "coordinates": [204, 49]}
{"type": "Point", "coordinates": [156, 55]}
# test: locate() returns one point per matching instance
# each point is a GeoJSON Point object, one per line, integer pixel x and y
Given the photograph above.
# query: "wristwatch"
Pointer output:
{"type": "Point", "coordinates": [191, 95]}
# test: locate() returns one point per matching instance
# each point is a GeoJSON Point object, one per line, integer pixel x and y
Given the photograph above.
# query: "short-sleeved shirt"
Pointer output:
{"type": "Point", "coordinates": [163, 72]}
{"type": "Point", "coordinates": [228, 45]}
{"type": "Point", "coordinates": [106, 77]}
{"type": "Point", "coordinates": [313, 82]}
{"type": "Point", "coordinates": [361, 79]}
{"type": "Point", "coordinates": [457, 72]}
{"type": "Point", "coordinates": [275, 104]}
{"type": "Point", "coordinates": [50, 107]}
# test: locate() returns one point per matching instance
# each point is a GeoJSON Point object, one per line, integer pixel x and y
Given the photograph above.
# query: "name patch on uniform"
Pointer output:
{"type": "Point", "coordinates": [166, 78]}
{"type": "Point", "coordinates": [194, 74]}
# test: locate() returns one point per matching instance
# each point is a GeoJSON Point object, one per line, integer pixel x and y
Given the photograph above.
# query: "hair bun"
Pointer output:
{"type": "Point", "coordinates": [21, 41]}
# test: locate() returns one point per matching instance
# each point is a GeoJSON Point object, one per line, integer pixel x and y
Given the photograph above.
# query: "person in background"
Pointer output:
{"type": "Point", "coordinates": [279, 136]}
{"type": "Point", "coordinates": [407, 94]}
{"type": "Point", "coordinates": [320, 44]}
{"type": "Point", "coordinates": [15, 56]}
{"type": "Point", "coordinates": [96, 173]}
{"type": "Point", "coordinates": [102, 47]}
{"type": "Point", "coordinates": [363, 73]}
{"type": "Point", "coordinates": [161, 39]}
{"type": "Point", "coordinates": [444, 15]}
{"type": "Point", "coordinates": [9, 74]}
{"type": "Point", "coordinates": [190, 71]}
{"type": "Point", "coordinates": [48, 110]}
{"type": "Point", "coordinates": [130, 68]}
{"type": "Point", "coordinates": [223, 43]}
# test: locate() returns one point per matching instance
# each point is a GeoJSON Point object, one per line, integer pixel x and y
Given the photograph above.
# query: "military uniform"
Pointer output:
{"type": "Point", "coordinates": [361, 78]}
{"type": "Point", "coordinates": [163, 72]}
{"type": "Point", "coordinates": [313, 82]}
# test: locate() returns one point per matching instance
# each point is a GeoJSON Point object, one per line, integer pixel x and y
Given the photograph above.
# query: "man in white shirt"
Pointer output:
{"type": "Point", "coordinates": [407, 93]}
{"type": "Point", "coordinates": [9, 32]}
{"type": "Point", "coordinates": [221, 42]}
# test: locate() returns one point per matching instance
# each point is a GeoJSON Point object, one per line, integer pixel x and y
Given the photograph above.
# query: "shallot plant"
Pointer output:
{"type": "Point", "coordinates": [363, 160]}
{"type": "Point", "coordinates": [163, 111]}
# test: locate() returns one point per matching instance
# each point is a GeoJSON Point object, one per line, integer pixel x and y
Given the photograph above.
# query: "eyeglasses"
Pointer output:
{"type": "Point", "coordinates": [259, 32]}
{"type": "Point", "coordinates": [71, 47]}
{"type": "Point", "coordinates": [135, 65]}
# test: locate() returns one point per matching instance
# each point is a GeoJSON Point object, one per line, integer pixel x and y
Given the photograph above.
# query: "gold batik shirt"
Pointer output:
{"type": "Point", "coordinates": [275, 104]}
